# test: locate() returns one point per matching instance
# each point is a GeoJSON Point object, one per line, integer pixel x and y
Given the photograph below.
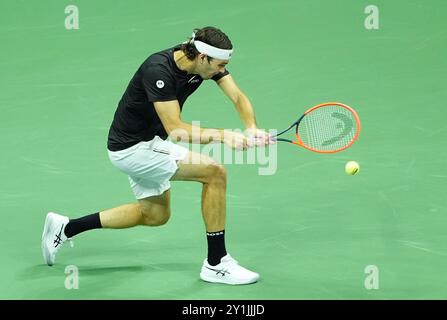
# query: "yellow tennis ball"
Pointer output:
{"type": "Point", "coordinates": [352, 168]}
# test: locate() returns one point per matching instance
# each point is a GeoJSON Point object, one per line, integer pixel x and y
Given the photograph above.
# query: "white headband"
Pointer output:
{"type": "Point", "coordinates": [211, 51]}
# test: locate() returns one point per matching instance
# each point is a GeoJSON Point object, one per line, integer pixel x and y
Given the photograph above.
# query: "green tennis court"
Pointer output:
{"type": "Point", "coordinates": [310, 230]}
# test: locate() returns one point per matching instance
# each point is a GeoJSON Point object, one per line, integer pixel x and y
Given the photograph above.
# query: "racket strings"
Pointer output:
{"type": "Point", "coordinates": [328, 128]}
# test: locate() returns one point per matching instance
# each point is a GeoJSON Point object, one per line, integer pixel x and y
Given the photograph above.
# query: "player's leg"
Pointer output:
{"type": "Point", "coordinates": [150, 211]}
{"type": "Point", "coordinates": [149, 172]}
{"type": "Point", "coordinates": [200, 168]}
{"type": "Point", "coordinates": [219, 266]}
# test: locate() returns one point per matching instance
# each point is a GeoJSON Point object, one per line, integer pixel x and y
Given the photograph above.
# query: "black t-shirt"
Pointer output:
{"type": "Point", "coordinates": [157, 79]}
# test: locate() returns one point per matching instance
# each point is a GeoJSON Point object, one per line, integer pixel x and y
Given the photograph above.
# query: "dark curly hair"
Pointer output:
{"type": "Point", "coordinates": [210, 35]}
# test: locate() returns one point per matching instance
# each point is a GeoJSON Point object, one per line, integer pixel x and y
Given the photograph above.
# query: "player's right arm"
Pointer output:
{"type": "Point", "coordinates": [160, 87]}
{"type": "Point", "coordinates": [169, 114]}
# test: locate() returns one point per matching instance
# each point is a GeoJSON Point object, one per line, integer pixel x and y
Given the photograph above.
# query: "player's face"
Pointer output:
{"type": "Point", "coordinates": [210, 69]}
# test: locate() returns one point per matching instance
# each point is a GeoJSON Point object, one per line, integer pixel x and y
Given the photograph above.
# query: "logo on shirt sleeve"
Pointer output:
{"type": "Point", "coordinates": [160, 84]}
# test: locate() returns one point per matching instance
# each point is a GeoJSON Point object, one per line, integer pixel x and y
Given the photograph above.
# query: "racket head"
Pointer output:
{"type": "Point", "coordinates": [329, 127]}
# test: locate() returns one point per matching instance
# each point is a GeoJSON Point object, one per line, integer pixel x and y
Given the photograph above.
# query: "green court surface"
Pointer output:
{"type": "Point", "coordinates": [310, 230]}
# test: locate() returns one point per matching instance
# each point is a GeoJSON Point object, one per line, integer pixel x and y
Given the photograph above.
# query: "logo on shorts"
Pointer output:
{"type": "Point", "coordinates": [160, 84]}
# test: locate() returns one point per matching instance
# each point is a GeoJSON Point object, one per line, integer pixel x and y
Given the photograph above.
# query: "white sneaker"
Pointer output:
{"type": "Point", "coordinates": [53, 236]}
{"type": "Point", "coordinates": [228, 271]}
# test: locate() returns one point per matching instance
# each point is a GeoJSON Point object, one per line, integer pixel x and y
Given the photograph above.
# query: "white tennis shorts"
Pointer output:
{"type": "Point", "coordinates": [149, 165]}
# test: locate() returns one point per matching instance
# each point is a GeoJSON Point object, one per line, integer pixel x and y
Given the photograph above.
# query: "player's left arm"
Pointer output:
{"type": "Point", "coordinates": [244, 108]}
{"type": "Point", "coordinates": [240, 101]}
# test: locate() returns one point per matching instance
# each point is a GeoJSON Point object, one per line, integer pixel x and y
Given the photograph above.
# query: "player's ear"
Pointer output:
{"type": "Point", "coordinates": [202, 58]}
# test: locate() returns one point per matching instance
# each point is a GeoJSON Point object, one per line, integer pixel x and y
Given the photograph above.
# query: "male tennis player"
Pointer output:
{"type": "Point", "coordinates": [147, 114]}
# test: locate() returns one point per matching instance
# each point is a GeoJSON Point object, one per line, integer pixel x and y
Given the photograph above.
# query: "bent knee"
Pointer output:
{"type": "Point", "coordinates": [163, 219]}
{"type": "Point", "coordinates": [218, 173]}
{"type": "Point", "coordinates": [155, 217]}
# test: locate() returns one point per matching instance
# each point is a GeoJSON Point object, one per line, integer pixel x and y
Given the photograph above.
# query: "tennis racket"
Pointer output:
{"type": "Point", "coordinates": [325, 128]}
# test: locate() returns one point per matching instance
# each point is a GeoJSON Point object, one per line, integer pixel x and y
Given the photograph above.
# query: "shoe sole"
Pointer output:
{"type": "Point", "coordinates": [46, 255]}
{"type": "Point", "coordinates": [234, 283]}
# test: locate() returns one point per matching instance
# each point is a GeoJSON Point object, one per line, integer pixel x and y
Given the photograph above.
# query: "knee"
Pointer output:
{"type": "Point", "coordinates": [155, 217]}
{"type": "Point", "coordinates": [218, 174]}
{"type": "Point", "coordinates": [158, 219]}
{"type": "Point", "coordinates": [162, 218]}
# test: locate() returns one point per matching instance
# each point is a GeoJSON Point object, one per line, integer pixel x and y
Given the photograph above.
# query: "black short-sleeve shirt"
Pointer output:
{"type": "Point", "coordinates": [157, 79]}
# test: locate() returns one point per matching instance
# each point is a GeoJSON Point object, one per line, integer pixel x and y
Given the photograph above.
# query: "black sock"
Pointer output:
{"type": "Point", "coordinates": [76, 226]}
{"type": "Point", "coordinates": [216, 246]}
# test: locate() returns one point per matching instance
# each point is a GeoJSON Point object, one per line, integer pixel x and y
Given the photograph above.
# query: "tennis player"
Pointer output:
{"type": "Point", "coordinates": [138, 145]}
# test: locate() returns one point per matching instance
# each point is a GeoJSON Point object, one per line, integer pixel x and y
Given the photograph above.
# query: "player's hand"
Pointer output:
{"type": "Point", "coordinates": [236, 140]}
{"type": "Point", "coordinates": [259, 137]}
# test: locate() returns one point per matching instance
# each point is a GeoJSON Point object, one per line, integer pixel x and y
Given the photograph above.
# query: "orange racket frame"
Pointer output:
{"type": "Point", "coordinates": [300, 142]}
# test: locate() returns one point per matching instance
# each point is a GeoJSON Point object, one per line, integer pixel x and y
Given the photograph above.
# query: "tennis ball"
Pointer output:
{"type": "Point", "coordinates": [352, 168]}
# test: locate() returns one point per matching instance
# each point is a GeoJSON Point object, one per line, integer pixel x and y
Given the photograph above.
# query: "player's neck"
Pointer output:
{"type": "Point", "coordinates": [183, 63]}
